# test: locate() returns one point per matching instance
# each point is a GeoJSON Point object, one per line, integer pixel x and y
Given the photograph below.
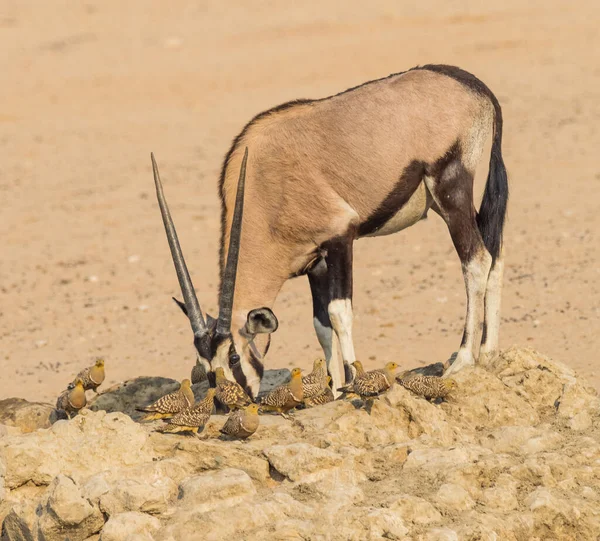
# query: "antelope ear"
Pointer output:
{"type": "Point", "coordinates": [261, 320]}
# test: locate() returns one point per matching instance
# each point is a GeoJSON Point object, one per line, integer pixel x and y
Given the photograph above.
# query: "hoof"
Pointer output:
{"type": "Point", "coordinates": [461, 361]}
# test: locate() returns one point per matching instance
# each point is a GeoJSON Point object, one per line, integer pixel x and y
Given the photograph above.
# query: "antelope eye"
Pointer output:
{"type": "Point", "coordinates": [234, 359]}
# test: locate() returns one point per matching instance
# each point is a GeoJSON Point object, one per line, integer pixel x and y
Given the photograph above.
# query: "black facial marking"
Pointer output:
{"type": "Point", "coordinates": [257, 365]}
{"type": "Point", "coordinates": [240, 377]}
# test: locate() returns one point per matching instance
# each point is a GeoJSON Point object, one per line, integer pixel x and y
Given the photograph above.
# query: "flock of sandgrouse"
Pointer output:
{"type": "Point", "coordinates": [183, 415]}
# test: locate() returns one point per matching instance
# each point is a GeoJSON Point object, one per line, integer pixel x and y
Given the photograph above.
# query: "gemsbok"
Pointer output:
{"type": "Point", "coordinates": [304, 180]}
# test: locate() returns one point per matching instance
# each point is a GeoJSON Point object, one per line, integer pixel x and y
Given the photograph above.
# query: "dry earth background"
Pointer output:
{"type": "Point", "coordinates": [88, 89]}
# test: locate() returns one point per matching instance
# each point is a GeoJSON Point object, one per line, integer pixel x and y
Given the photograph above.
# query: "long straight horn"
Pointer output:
{"type": "Point", "coordinates": [229, 274]}
{"type": "Point", "coordinates": [192, 305]}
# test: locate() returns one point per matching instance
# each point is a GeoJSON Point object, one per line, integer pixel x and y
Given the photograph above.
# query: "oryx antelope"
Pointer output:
{"type": "Point", "coordinates": [322, 173]}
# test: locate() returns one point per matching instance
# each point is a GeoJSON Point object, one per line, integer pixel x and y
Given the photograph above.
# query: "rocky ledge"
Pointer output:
{"type": "Point", "coordinates": [514, 455]}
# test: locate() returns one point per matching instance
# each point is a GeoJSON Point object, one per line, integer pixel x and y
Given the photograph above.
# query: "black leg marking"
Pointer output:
{"type": "Point", "coordinates": [339, 267]}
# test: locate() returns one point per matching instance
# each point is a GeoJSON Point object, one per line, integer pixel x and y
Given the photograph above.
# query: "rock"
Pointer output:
{"type": "Point", "coordinates": [503, 495]}
{"type": "Point", "coordinates": [20, 523]}
{"type": "Point", "coordinates": [301, 461]}
{"type": "Point", "coordinates": [124, 526]}
{"type": "Point", "coordinates": [440, 534]}
{"type": "Point", "coordinates": [515, 454]}
{"type": "Point", "coordinates": [209, 491]}
{"type": "Point", "coordinates": [110, 441]}
{"type": "Point", "coordinates": [416, 510]}
{"type": "Point", "coordinates": [451, 497]}
{"type": "Point", "coordinates": [425, 417]}
{"type": "Point", "coordinates": [484, 401]}
{"type": "Point", "coordinates": [62, 513]}
{"type": "Point", "coordinates": [383, 523]}
{"type": "Point", "coordinates": [252, 516]}
{"type": "Point", "coordinates": [211, 455]}
{"type": "Point", "coordinates": [66, 503]}
{"type": "Point", "coordinates": [66, 514]}
{"type": "Point", "coordinates": [27, 416]}
{"type": "Point", "coordinates": [148, 494]}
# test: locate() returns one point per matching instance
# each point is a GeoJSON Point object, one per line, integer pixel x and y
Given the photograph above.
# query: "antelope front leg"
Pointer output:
{"type": "Point", "coordinates": [331, 287]}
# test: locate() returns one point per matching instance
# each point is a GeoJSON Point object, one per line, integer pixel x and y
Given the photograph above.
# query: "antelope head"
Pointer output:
{"type": "Point", "coordinates": [213, 338]}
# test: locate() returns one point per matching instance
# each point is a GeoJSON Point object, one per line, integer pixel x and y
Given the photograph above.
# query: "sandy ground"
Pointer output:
{"type": "Point", "coordinates": [88, 89]}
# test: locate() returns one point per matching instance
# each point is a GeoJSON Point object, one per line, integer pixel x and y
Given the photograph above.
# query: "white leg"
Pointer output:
{"type": "Point", "coordinates": [340, 314]}
{"type": "Point", "coordinates": [493, 294]}
{"type": "Point", "coordinates": [475, 273]}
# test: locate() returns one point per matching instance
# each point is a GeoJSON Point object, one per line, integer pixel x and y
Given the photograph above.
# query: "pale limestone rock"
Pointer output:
{"type": "Point", "coordinates": [425, 417]}
{"type": "Point", "coordinates": [66, 503]}
{"type": "Point", "coordinates": [124, 526]}
{"type": "Point", "coordinates": [302, 461]}
{"type": "Point", "coordinates": [442, 459]}
{"type": "Point", "coordinates": [451, 497]}
{"type": "Point", "coordinates": [439, 534]}
{"type": "Point", "coordinates": [208, 491]}
{"type": "Point", "coordinates": [577, 398]}
{"type": "Point", "coordinates": [110, 441]}
{"type": "Point", "coordinates": [414, 509]}
{"type": "Point", "coordinates": [62, 513]}
{"type": "Point", "coordinates": [336, 473]}
{"type": "Point", "coordinates": [580, 421]}
{"type": "Point", "coordinates": [21, 522]}
{"type": "Point", "coordinates": [251, 516]}
{"type": "Point", "coordinates": [384, 523]}
{"type": "Point", "coordinates": [148, 494]}
{"type": "Point", "coordinates": [503, 495]}
{"type": "Point", "coordinates": [486, 402]}
{"type": "Point", "coordinates": [199, 456]}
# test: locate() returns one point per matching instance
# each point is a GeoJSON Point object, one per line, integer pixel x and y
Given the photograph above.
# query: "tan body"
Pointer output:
{"type": "Point", "coordinates": [373, 383]}
{"type": "Point", "coordinates": [286, 397]}
{"type": "Point", "coordinates": [304, 180]}
{"type": "Point", "coordinates": [242, 423]}
{"type": "Point", "coordinates": [429, 387]}
{"type": "Point", "coordinates": [323, 397]}
{"type": "Point", "coordinates": [326, 169]}
{"type": "Point", "coordinates": [93, 376]}
{"type": "Point", "coordinates": [169, 405]}
{"type": "Point", "coordinates": [72, 400]}
{"type": "Point", "coordinates": [316, 381]}
{"type": "Point", "coordinates": [230, 393]}
{"type": "Point", "coordinates": [192, 419]}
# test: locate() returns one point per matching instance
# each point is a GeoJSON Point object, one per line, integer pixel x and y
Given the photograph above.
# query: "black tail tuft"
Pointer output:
{"type": "Point", "coordinates": [492, 213]}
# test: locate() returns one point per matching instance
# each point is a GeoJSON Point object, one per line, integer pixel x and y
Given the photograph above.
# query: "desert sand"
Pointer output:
{"type": "Point", "coordinates": [89, 89]}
